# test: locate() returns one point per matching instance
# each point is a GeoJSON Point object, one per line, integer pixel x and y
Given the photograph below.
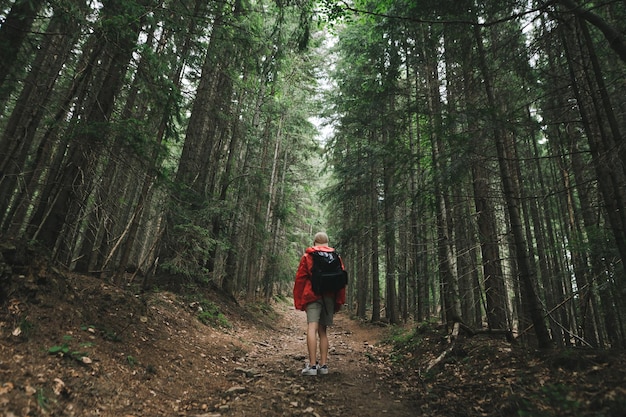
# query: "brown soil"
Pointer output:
{"type": "Point", "coordinates": [73, 345]}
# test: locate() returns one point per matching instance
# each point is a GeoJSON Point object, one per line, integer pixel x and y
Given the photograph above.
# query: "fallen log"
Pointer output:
{"type": "Point", "coordinates": [455, 333]}
{"type": "Point", "coordinates": [456, 329]}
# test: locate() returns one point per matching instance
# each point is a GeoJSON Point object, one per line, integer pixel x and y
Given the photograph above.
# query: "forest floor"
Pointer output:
{"type": "Point", "coordinates": [75, 345]}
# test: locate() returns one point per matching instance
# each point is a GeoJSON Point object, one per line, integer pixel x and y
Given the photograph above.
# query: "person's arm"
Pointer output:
{"type": "Point", "coordinates": [340, 298]}
{"type": "Point", "coordinates": [298, 288]}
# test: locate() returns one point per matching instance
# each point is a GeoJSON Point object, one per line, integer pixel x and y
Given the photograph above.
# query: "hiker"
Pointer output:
{"type": "Point", "coordinates": [319, 307]}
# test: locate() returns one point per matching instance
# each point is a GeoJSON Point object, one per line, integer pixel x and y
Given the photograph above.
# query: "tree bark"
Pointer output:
{"type": "Point", "coordinates": [451, 308]}
{"type": "Point", "coordinates": [18, 139]}
{"type": "Point", "coordinates": [375, 250]}
{"type": "Point", "coordinates": [527, 277]}
{"type": "Point", "coordinates": [90, 136]}
{"type": "Point", "coordinates": [13, 33]}
{"type": "Point", "coordinates": [391, 301]}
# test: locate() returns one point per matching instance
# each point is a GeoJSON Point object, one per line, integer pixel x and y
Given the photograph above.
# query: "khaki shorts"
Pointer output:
{"type": "Point", "coordinates": [321, 311]}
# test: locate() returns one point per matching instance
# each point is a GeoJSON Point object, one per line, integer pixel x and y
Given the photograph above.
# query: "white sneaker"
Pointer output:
{"type": "Point", "coordinates": [309, 370]}
{"type": "Point", "coordinates": [322, 370]}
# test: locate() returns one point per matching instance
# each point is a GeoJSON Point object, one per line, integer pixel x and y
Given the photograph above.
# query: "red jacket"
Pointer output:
{"type": "Point", "coordinates": [302, 291]}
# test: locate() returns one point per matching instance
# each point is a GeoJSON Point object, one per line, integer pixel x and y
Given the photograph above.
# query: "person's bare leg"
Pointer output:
{"type": "Point", "coordinates": [323, 344]}
{"type": "Point", "coordinates": [311, 341]}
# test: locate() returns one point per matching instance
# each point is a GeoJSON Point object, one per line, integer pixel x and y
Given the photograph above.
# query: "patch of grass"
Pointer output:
{"type": "Point", "coordinates": [42, 400]}
{"type": "Point", "coordinates": [280, 298]}
{"type": "Point", "coordinates": [405, 343]}
{"type": "Point", "coordinates": [210, 314]}
{"type": "Point", "coordinates": [66, 351]}
{"type": "Point", "coordinates": [427, 326]}
{"type": "Point", "coordinates": [403, 339]}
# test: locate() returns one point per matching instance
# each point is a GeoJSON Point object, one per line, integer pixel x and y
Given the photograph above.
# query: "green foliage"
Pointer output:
{"type": "Point", "coordinates": [280, 298]}
{"type": "Point", "coordinates": [66, 351]}
{"type": "Point", "coordinates": [111, 335]}
{"type": "Point", "coordinates": [210, 314]}
{"type": "Point", "coordinates": [42, 400]}
{"type": "Point", "coordinates": [404, 342]}
{"type": "Point", "coordinates": [107, 334]}
{"type": "Point", "coordinates": [262, 312]}
{"type": "Point", "coordinates": [194, 245]}
{"type": "Point", "coordinates": [333, 11]}
{"type": "Point", "coordinates": [404, 339]}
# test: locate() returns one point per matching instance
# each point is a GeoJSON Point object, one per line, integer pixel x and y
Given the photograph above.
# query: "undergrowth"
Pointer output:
{"type": "Point", "coordinates": [210, 314]}
{"type": "Point", "coordinates": [406, 342]}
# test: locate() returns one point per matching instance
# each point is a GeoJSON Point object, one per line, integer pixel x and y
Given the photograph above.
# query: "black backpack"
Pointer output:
{"type": "Point", "coordinates": [327, 275]}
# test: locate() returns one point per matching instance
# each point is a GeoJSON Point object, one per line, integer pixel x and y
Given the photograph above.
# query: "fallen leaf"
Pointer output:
{"type": "Point", "coordinates": [59, 385]}
{"type": "Point", "coordinates": [6, 387]}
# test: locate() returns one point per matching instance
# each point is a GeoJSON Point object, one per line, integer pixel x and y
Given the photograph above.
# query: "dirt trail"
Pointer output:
{"type": "Point", "coordinates": [355, 385]}
{"type": "Point", "coordinates": [77, 346]}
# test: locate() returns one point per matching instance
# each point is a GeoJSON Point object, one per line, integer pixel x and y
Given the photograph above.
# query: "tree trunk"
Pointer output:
{"type": "Point", "coordinates": [610, 176]}
{"type": "Point", "coordinates": [18, 138]}
{"type": "Point", "coordinates": [76, 186]}
{"type": "Point", "coordinates": [13, 33]}
{"type": "Point", "coordinates": [391, 302]}
{"type": "Point", "coordinates": [361, 278]}
{"type": "Point", "coordinates": [375, 250]}
{"type": "Point", "coordinates": [586, 281]}
{"type": "Point", "coordinates": [495, 294]}
{"type": "Point", "coordinates": [448, 280]}
{"type": "Point", "coordinates": [527, 277]}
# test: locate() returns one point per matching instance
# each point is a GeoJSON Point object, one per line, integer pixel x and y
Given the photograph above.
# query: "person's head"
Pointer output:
{"type": "Point", "coordinates": [321, 239]}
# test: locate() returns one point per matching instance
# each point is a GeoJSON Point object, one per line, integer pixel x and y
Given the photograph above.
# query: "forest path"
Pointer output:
{"type": "Point", "coordinates": [357, 384]}
{"type": "Point", "coordinates": [93, 349]}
